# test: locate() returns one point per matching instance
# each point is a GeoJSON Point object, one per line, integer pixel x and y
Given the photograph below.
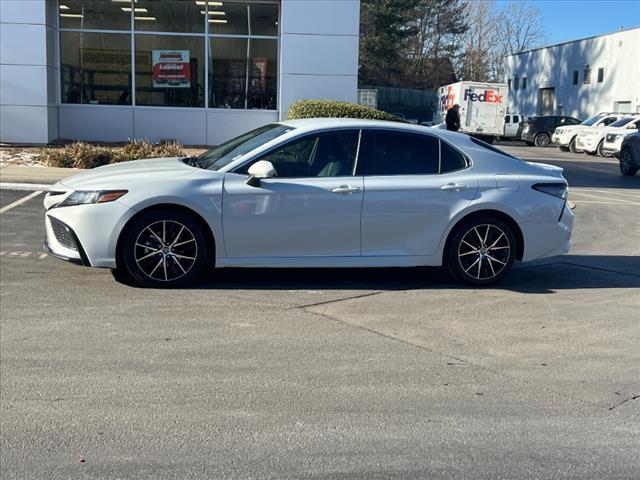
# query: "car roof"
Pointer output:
{"type": "Point", "coordinates": [312, 124]}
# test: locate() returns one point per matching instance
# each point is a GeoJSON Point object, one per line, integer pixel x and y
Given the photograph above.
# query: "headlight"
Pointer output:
{"type": "Point", "coordinates": [558, 131]}
{"type": "Point", "coordinates": [80, 197]}
{"type": "Point", "coordinates": [612, 137]}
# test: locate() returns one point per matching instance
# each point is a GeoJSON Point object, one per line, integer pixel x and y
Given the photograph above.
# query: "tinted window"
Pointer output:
{"type": "Point", "coordinates": [451, 159]}
{"type": "Point", "coordinates": [507, 119]}
{"type": "Point", "coordinates": [572, 121]}
{"type": "Point", "coordinates": [516, 119]}
{"type": "Point", "coordinates": [622, 122]}
{"type": "Point", "coordinates": [395, 153]}
{"type": "Point", "coordinates": [608, 120]}
{"type": "Point", "coordinates": [326, 155]}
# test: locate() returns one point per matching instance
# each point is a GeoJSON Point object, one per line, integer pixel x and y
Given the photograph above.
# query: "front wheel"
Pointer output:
{"type": "Point", "coordinates": [573, 147]}
{"type": "Point", "coordinates": [563, 149]}
{"type": "Point", "coordinates": [542, 140]}
{"type": "Point", "coordinates": [164, 248]}
{"type": "Point", "coordinates": [627, 163]}
{"type": "Point", "coordinates": [482, 251]}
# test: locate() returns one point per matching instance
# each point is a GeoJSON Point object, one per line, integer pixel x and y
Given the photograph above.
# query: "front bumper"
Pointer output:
{"type": "Point", "coordinates": [561, 139]}
{"type": "Point", "coordinates": [86, 234]}
{"type": "Point", "coordinates": [586, 144]}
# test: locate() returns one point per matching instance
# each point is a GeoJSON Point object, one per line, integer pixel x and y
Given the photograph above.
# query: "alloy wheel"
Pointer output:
{"type": "Point", "coordinates": [484, 252]}
{"type": "Point", "coordinates": [165, 250]}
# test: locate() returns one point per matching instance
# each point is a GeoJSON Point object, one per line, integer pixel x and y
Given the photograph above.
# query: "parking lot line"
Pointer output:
{"type": "Point", "coordinates": [19, 202]}
{"type": "Point", "coordinates": [625, 195]}
{"type": "Point", "coordinates": [604, 198]}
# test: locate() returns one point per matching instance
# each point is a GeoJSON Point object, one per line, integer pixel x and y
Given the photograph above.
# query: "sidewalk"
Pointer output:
{"type": "Point", "coordinates": [36, 175]}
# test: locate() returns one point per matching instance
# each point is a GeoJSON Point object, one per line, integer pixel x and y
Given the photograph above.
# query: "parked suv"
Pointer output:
{"type": "Point", "coordinates": [538, 130]}
{"type": "Point", "coordinates": [629, 154]}
{"type": "Point", "coordinates": [613, 140]}
{"type": "Point", "coordinates": [591, 140]}
{"type": "Point", "coordinates": [565, 136]}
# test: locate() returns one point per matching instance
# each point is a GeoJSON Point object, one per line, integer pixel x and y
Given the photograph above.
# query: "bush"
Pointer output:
{"type": "Point", "coordinates": [335, 109]}
{"type": "Point", "coordinates": [77, 155]}
{"type": "Point", "coordinates": [137, 149]}
{"type": "Point", "coordinates": [85, 155]}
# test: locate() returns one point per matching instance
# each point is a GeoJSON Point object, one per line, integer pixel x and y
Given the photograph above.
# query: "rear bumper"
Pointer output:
{"type": "Point", "coordinates": [548, 239]}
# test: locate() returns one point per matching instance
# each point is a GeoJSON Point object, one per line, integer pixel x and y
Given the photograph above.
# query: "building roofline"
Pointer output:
{"type": "Point", "coordinates": [573, 41]}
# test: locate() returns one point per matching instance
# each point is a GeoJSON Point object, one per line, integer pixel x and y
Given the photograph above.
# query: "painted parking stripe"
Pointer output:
{"type": "Point", "coordinates": [43, 187]}
{"type": "Point", "coordinates": [625, 195]}
{"type": "Point", "coordinates": [19, 202]}
{"type": "Point", "coordinates": [604, 198]}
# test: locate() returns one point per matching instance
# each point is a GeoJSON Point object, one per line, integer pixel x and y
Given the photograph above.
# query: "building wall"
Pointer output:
{"type": "Point", "coordinates": [28, 71]}
{"type": "Point", "coordinates": [318, 58]}
{"type": "Point", "coordinates": [553, 66]}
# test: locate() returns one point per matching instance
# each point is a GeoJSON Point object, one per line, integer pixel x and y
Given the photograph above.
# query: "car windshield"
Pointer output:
{"type": "Point", "coordinates": [622, 122]}
{"type": "Point", "coordinates": [591, 120]}
{"type": "Point", "coordinates": [227, 152]}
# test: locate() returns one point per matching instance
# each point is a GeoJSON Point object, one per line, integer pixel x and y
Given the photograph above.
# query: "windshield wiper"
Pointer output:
{"type": "Point", "coordinates": [192, 161]}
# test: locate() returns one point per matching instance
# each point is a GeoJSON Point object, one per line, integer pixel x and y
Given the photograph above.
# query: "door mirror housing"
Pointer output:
{"type": "Point", "coordinates": [258, 171]}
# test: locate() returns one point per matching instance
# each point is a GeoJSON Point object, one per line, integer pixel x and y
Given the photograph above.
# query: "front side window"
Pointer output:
{"type": "Point", "coordinates": [233, 149]}
{"type": "Point", "coordinates": [516, 119]}
{"type": "Point", "coordinates": [325, 155]}
{"type": "Point", "coordinates": [95, 68]}
{"type": "Point", "coordinates": [398, 153]}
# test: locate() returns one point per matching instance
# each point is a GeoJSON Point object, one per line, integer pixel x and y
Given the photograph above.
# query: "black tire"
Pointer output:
{"type": "Point", "coordinates": [542, 140]}
{"type": "Point", "coordinates": [495, 256]}
{"type": "Point", "coordinates": [563, 149]}
{"type": "Point", "coordinates": [627, 162]}
{"type": "Point", "coordinates": [529, 143]}
{"type": "Point", "coordinates": [163, 249]}
{"type": "Point", "coordinates": [573, 147]}
{"type": "Point", "coordinates": [599, 150]}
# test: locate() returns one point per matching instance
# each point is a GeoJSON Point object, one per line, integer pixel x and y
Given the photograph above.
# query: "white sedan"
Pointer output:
{"type": "Point", "coordinates": [315, 193]}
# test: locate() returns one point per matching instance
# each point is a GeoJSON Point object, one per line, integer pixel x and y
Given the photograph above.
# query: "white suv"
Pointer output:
{"type": "Point", "coordinates": [613, 139]}
{"type": "Point", "coordinates": [591, 140]}
{"type": "Point", "coordinates": [565, 137]}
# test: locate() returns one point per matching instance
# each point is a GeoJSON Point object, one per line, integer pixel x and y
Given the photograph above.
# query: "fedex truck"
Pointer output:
{"type": "Point", "coordinates": [482, 107]}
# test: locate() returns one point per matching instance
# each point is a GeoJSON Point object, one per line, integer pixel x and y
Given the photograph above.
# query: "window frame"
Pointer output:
{"type": "Point", "coordinates": [302, 136]}
{"type": "Point", "coordinates": [467, 159]}
{"type": "Point", "coordinates": [205, 36]}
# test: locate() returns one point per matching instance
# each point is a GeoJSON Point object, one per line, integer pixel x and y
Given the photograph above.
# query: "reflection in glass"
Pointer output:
{"type": "Point", "coordinates": [183, 16]}
{"type": "Point", "coordinates": [229, 18]}
{"type": "Point", "coordinates": [95, 68]}
{"type": "Point", "coordinates": [169, 71]}
{"type": "Point", "coordinates": [96, 14]}
{"type": "Point", "coordinates": [264, 19]}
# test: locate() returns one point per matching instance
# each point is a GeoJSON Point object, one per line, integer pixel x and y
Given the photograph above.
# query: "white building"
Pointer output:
{"type": "Point", "coordinates": [197, 71]}
{"type": "Point", "coordinates": [578, 78]}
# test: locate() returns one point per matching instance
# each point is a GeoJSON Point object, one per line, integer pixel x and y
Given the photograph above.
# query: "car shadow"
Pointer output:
{"type": "Point", "coordinates": [564, 273]}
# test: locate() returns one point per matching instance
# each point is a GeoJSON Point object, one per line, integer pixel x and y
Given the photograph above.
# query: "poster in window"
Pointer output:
{"type": "Point", "coordinates": [171, 69]}
{"type": "Point", "coordinates": [258, 85]}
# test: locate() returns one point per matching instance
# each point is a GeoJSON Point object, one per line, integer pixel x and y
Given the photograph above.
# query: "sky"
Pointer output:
{"type": "Point", "coordinates": [572, 19]}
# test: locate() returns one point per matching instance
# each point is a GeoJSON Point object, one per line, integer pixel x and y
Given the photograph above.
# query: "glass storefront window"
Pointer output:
{"type": "Point", "coordinates": [170, 53]}
{"type": "Point", "coordinates": [229, 18]}
{"type": "Point", "coordinates": [264, 19]}
{"type": "Point", "coordinates": [263, 74]}
{"type": "Point", "coordinates": [181, 16]}
{"type": "Point", "coordinates": [96, 14]}
{"type": "Point", "coordinates": [169, 71]}
{"type": "Point", "coordinates": [95, 68]}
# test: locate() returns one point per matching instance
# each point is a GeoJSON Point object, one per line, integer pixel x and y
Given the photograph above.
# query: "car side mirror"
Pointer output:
{"type": "Point", "coordinates": [258, 171]}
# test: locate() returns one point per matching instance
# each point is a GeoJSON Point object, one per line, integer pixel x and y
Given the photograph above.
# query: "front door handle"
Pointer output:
{"type": "Point", "coordinates": [456, 187]}
{"type": "Point", "coordinates": [346, 189]}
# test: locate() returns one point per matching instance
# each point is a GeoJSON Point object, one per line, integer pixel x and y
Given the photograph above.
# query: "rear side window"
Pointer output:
{"type": "Point", "coordinates": [398, 153]}
{"type": "Point", "coordinates": [451, 158]}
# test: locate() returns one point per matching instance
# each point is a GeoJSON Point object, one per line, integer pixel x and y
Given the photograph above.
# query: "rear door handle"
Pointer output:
{"type": "Point", "coordinates": [456, 187]}
{"type": "Point", "coordinates": [346, 190]}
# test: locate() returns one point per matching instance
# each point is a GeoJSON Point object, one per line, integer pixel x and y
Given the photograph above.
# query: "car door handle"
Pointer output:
{"type": "Point", "coordinates": [346, 189]}
{"type": "Point", "coordinates": [456, 187]}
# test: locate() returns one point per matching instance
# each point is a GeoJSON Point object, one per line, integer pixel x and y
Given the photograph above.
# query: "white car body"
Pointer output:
{"type": "Point", "coordinates": [589, 139]}
{"type": "Point", "coordinates": [341, 221]}
{"type": "Point", "coordinates": [613, 139]}
{"type": "Point", "coordinates": [563, 136]}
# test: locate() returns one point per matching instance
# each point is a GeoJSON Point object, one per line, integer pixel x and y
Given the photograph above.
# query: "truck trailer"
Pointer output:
{"type": "Point", "coordinates": [482, 107]}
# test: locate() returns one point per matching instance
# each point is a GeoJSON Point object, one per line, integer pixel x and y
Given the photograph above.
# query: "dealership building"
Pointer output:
{"type": "Point", "coordinates": [198, 71]}
{"type": "Point", "coordinates": [578, 78]}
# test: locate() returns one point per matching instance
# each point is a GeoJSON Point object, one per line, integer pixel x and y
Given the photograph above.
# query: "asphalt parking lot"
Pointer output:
{"type": "Point", "coordinates": [330, 374]}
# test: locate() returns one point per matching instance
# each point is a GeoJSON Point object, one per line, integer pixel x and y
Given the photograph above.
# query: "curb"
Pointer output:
{"type": "Point", "coordinates": [42, 187]}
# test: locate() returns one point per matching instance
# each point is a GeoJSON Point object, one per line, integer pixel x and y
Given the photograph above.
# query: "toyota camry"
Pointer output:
{"type": "Point", "coordinates": [314, 193]}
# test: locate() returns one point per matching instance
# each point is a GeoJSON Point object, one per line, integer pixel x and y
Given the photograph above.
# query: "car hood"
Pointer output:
{"type": "Point", "coordinates": [126, 174]}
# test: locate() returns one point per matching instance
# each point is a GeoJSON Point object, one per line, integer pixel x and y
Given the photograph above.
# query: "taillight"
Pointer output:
{"type": "Point", "coordinates": [559, 190]}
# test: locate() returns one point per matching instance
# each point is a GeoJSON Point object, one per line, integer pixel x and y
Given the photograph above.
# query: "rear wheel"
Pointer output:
{"type": "Point", "coordinates": [164, 248]}
{"type": "Point", "coordinates": [542, 140]}
{"type": "Point", "coordinates": [627, 162]}
{"type": "Point", "coordinates": [482, 251]}
{"type": "Point", "coordinates": [563, 149]}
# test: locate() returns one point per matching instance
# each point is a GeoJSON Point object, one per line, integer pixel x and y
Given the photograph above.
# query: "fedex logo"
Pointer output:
{"type": "Point", "coordinates": [488, 96]}
{"type": "Point", "coordinates": [448, 99]}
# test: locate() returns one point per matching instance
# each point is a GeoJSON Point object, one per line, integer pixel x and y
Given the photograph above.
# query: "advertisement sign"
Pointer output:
{"type": "Point", "coordinates": [170, 69]}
